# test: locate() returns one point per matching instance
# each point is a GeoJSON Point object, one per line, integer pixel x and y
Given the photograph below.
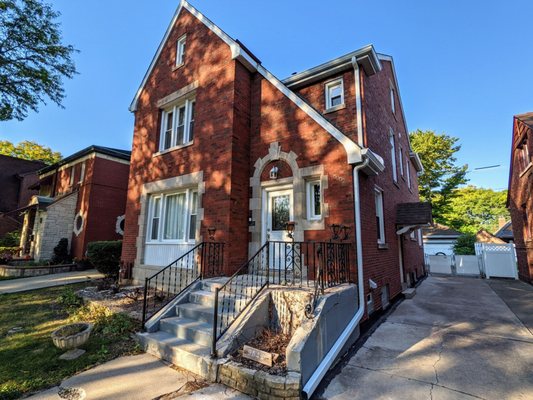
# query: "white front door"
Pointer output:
{"type": "Point", "coordinates": [279, 209]}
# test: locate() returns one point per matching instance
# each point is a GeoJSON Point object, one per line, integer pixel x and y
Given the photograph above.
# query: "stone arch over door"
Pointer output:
{"type": "Point", "coordinates": [298, 181]}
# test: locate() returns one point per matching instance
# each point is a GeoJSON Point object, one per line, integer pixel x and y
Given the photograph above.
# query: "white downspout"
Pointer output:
{"type": "Point", "coordinates": [333, 353]}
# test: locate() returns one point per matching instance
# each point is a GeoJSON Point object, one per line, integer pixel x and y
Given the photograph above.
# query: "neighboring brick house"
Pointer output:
{"type": "Point", "coordinates": [519, 199]}
{"type": "Point", "coordinates": [81, 198]}
{"type": "Point", "coordinates": [218, 140]}
{"type": "Point", "coordinates": [16, 178]}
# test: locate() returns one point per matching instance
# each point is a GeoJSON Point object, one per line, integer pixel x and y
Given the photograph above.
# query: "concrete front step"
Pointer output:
{"type": "Point", "coordinates": [181, 352]}
{"type": "Point", "coordinates": [207, 298]}
{"type": "Point", "coordinates": [195, 312]}
{"type": "Point", "coordinates": [194, 331]}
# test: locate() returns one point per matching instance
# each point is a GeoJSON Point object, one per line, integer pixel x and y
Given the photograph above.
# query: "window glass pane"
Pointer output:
{"type": "Point", "coordinates": [174, 210]}
{"type": "Point", "coordinates": [280, 212]}
{"type": "Point", "coordinates": [180, 58]}
{"type": "Point", "coordinates": [316, 199]}
{"type": "Point", "coordinates": [156, 212]}
{"type": "Point", "coordinates": [168, 130]}
{"type": "Point", "coordinates": [335, 95]}
{"type": "Point", "coordinates": [192, 227]}
{"type": "Point", "coordinates": [191, 121]}
{"type": "Point", "coordinates": [192, 218]}
{"type": "Point", "coordinates": [180, 125]}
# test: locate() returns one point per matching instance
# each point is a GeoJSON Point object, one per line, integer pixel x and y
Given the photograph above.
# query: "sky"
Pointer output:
{"type": "Point", "coordinates": [464, 67]}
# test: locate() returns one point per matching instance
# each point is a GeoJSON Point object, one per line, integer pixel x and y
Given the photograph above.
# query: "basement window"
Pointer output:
{"type": "Point", "coordinates": [180, 51]}
{"type": "Point", "coordinates": [334, 94]}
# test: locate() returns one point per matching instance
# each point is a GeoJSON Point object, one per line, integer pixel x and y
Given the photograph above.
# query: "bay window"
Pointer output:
{"type": "Point", "coordinates": [172, 217]}
{"type": "Point", "coordinates": [177, 125]}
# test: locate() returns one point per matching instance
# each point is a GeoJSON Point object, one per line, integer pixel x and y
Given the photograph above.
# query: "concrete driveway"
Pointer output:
{"type": "Point", "coordinates": [456, 339]}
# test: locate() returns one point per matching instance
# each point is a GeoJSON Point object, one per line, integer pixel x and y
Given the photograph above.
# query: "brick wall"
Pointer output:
{"type": "Point", "coordinates": [520, 203]}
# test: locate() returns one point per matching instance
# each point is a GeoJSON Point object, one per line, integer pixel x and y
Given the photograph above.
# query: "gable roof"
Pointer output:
{"type": "Point", "coordinates": [505, 232]}
{"type": "Point", "coordinates": [118, 153]}
{"type": "Point", "coordinates": [353, 150]}
{"type": "Point", "coordinates": [439, 230]}
{"type": "Point", "coordinates": [526, 118]}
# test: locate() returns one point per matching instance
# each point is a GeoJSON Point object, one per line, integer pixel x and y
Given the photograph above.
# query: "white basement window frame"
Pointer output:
{"type": "Point", "coordinates": [392, 141]}
{"type": "Point", "coordinates": [172, 217]}
{"type": "Point", "coordinates": [334, 92]}
{"type": "Point", "coordinates": [181, 46]}
{"type": "Point", "coordinates": [380, 220]}
{"type": "Point", "coordinates": [314, 200]}
{"type": "Point", "coordinates": [177, 125]}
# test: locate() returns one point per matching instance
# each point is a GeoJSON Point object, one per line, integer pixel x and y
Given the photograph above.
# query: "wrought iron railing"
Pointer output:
{"type": "Point", "coordinates": [204, 260]}
{"type": "Point", "coordinates": [314, 264]}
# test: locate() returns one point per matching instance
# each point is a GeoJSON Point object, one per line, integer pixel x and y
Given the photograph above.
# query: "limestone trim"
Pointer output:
{"type": "Point", "coordinates": [192, 180]}
{"type": "Point", "coordinates": [118, 228]}
{"type": "Point", "coordinates": [77, 230]}
{"type": "Point", "coordinates": [298, 181]}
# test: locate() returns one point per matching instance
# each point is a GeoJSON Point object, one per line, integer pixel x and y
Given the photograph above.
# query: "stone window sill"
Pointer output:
{"type": "Point", "coordinates": [334, 108]}
{"type": "Point", "coordinates": [171, 149]}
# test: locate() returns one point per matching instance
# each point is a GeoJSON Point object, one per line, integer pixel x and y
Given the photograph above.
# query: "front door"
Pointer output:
{"type": "Point", "coordinates": [279, 210]}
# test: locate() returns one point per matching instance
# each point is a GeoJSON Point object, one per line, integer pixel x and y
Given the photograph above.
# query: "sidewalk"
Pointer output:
{"type": "Point", "coordinates": [140, 377]}
{"type": "Point", "coordinates": [518, 296]}
{"type": "Point", "coordinates": [44, 281]}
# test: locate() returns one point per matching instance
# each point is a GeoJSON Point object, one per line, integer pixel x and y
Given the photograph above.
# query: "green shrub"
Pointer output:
{"type": "Point", "coordinates": [465, 245]}
{"type": "Point", "coordinates": [105, 256]}
{"type": "Point", "coordinates": [10, 239]}
{"type": "Point", "coordinates": [69, 299]}
{"type": "Point", "coordinates": [61, 254]}
{"type": "Point", "coordinates": [106, 322]}
{"type": "Point", "coordinates": [7, 254]}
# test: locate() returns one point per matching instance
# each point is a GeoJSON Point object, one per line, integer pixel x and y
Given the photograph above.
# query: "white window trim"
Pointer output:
{"type": "Point", "coordinates": [186, 217]}
{"type": "Point", "coordinates": [180, 56]}
{"type": "Point", "coordinates": [311, 200]}
{"type": "Point", "coordinates": [392, 141]}
{"type": "Point", "coordinates": [392, 97]}
{"type": "Point", "coordinates": [401, 161]}
{"type": "Point", "coordinates": [186, 131]}
{"type": "Point", "coordinates": [82, 172]}
{"type": "Point", "coordinates": [327, 87]}
{"type": "Point", "coordinates": [381, 213]}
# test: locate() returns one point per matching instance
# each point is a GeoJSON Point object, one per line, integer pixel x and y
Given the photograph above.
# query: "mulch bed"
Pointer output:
{"type": "Point", "coordinates": [270, 341]}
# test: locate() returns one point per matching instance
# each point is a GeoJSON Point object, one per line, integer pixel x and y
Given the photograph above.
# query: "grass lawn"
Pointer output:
{"type": "Point", "coordinates": [29, 360]}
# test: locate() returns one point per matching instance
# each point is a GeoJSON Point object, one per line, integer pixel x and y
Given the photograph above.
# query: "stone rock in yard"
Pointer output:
{"type": "Point", "coordinates": [72, 354]}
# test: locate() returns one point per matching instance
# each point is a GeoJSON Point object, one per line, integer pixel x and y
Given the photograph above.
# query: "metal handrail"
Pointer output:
{"type": "Point", "coordinates": [218, 333]}
{"type": "Point", "coordinates": [210, 255]}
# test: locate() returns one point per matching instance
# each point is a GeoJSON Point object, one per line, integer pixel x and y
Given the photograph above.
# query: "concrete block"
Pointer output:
{"type": "Point", "coordinates": [409, 293]}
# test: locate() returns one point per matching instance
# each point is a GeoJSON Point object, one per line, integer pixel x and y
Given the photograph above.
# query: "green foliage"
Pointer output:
{"type": "Point", "coordinates": [473, 208]}
{"type": "Point", "coordinates": [7, 253]}
{"type": "Point", "coordinates": [441, 174]}
{"type": "Point", "coordinates": [61, 254]}
{"type": "Point", "coordinates": [29, 360]}
{"type": "Point", "coordinates": [69, 300]}
{"type": "Point", "coordinates": [29, 150]}
{"type": "Point", "coordinates": [465, 245]}
{"type": "Point", "coordinates": [105, 256]}
{"type": "Point", "coordinates": [105, 321]}
{"type": "Point", "coordinates": [33, 60]}
{"type": "Point", "coordinates": [10, 239]}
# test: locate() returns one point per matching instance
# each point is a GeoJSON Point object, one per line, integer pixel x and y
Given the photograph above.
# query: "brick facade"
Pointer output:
{"type": "Point", "coordinates": [96, 194]}
{"type": "Point", "coordinates": [520, 201]}
{"type": "Point", "coordinates": [244, 125]}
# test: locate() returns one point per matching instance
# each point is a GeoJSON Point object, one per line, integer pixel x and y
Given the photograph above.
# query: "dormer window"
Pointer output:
{"type": "Point", "coordinates": [180, 51]}
{"type": "Point", "coordinates": [334, 94]}
{"type": "Point", "coordinates": [177, 125]}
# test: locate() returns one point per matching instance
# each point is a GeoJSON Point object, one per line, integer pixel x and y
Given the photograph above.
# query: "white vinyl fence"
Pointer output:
{"type": "Point", "coordinates": [491, 260]}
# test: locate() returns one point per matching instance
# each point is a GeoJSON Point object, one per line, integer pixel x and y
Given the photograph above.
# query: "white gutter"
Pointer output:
{"type": "Point", "coordinates": [358, 106]}
{"type": "Point", "coordinates": [333, 353]}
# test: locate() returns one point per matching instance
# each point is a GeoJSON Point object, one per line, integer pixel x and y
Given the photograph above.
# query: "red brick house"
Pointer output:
{"type": "Point", "coordinates": [519, 199]}
{"type": "Point", "coordinates": [223, 148]}
{"type": "Point", "coordinates": [81, 198]}
{"type": "Point", "coordinates": [16, 178]}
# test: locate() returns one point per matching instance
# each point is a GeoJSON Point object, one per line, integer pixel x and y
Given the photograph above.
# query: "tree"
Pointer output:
{"type": "Point", "coordinates": [28, 150]}
{"type": "Point", "coordinates": [441, 174]}
{"type": "Point", "coordinates": [465, 245]}
{"type": "Point", "coordinates": [473, 208]}
{"type": "Point", "coordinates": [33, 60]}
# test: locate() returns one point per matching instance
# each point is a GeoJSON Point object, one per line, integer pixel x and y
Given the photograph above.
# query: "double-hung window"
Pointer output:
{"type": "Point", "coordinates": [82, 172]}
{"type": "Point", "coordinates": [408, 172]}
{"type": "Point", "coordinates": [314, 200]}
{"type": "Point", "coordinates": [392, 140]}
{"type": "Point", "coordinates": [392, 98]}
{"type": "Point", "coordinates": [401, 161]}
{"type": "Point", "coordinates": [380, 222]}
{"type": "Point", "coordinates": [334, 94]}
{"type": "Point", "coordinates": [71, 176]}
{"type": "Point", "coordinates": [172, 217]}
{"type": "Point", "coordinates": [177, 125]}
{"type": "Point", "coordinates": [180, 50]}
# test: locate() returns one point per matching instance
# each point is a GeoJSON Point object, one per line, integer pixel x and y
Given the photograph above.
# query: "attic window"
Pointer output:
{"type": "Point", "coordinates": [180, 51]}
{"type": "Point", "coordinates": [523, 155]}
{"type": "Point", "coordinates": [392, 98]}
{"type": "Point", "coordinates": [334, 94]}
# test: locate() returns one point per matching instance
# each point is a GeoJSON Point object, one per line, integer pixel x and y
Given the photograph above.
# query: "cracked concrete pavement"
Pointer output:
{"type": "Point", "coordinates": [456, 339]}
